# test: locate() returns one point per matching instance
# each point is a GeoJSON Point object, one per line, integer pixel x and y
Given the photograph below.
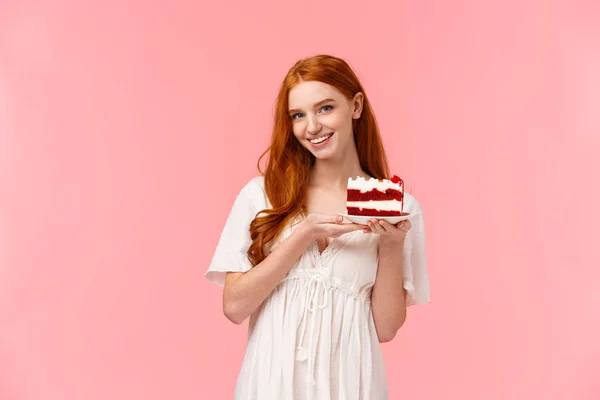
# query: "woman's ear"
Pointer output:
{"type": "Point", "coordinates": [357, 104]}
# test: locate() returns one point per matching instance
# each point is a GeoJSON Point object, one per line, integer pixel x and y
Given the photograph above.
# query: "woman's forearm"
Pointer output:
{"type": "Point", "coordinates": [388, 301]}
{"type": "Point", "coordinates": [244, 292]}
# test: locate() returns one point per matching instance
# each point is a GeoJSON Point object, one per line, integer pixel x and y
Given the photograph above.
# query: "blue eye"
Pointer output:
{"type": "Point", "coordinates": [324, 108]}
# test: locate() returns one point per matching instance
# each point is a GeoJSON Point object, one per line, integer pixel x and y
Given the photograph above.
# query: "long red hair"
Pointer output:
{"type": "Point", "coordinates": [288, 167]}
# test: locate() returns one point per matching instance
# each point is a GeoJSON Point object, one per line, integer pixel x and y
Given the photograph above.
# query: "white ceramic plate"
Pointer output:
{"type": "Point", "coordinates": [363, 220]}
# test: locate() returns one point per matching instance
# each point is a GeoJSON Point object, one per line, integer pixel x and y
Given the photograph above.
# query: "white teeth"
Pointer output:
{"type": "Point", "coordinates": [321, 139]}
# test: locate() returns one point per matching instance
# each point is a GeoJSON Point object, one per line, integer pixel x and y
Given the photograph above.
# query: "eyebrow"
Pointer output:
{"type": "Point", "coordinates": [315, 105]}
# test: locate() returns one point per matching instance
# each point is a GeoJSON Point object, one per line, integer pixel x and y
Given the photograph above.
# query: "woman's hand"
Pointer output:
{"type": "Point", "coordinates": [316, 226]}
{"type": "Point", "coordinates": [388, 232]}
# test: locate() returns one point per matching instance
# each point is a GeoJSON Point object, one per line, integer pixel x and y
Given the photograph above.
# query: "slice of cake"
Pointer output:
{"type": "Point", "coordinates": [375, 197]}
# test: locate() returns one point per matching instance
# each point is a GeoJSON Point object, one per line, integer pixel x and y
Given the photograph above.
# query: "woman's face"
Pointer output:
{"type": "Point", "coordinates": [322, 118]}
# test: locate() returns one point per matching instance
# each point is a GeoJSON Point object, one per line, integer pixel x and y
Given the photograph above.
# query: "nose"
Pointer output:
{"type": "Point", "coordinates": [313, 126]}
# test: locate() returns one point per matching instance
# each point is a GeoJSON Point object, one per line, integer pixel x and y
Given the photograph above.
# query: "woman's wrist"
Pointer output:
{"type": "Point", "coordinates": [392, 243]}
{"type": "Point", "coordinates": [304, 234]}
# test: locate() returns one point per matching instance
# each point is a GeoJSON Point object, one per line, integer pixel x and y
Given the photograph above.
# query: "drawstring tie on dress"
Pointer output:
{"type": "Point", "coordinates": [316, 283]}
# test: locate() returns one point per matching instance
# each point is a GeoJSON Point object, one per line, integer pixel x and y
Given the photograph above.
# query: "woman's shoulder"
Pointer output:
{"type": "Point", "coordinates": [254, 188]}
{"type": "Point", "coordinates": [411, 204]}
{"type": "Point", "coordinates": [254, 185]}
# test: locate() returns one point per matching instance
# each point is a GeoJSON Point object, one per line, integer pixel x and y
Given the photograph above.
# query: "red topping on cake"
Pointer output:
{"type": "Point", "coordinates": [396, 179]}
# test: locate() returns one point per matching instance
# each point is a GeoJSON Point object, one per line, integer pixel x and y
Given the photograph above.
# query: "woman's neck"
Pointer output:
{"type": "Point", "coordinates": [335, 172]}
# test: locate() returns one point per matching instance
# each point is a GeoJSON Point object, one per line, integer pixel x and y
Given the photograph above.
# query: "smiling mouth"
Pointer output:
{"type": "Point", "coordinates": [320, 139]}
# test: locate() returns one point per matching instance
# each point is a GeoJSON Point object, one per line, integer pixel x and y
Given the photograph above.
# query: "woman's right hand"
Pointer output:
{"type": "Point", "coordinates": [316, 226]}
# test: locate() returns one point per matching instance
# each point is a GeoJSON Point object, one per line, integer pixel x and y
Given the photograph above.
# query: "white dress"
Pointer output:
{"type": "Point", "coordinates": [314, 336]}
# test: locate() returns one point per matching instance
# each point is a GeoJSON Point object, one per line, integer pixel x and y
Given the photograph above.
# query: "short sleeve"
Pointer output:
{"type": "Point", "coordinates": [415, 274]}
{"type": "Point", "coordinates": [231, 251]}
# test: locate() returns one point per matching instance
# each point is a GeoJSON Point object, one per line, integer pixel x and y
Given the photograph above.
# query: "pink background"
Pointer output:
{"type": "Point", "coordinates": [115, 118]}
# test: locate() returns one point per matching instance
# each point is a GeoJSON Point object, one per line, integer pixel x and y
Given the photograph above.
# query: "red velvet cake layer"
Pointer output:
{"type": "Point", "coordinates": [370, 212]}
{"type": "Point", "coordinates": [390, 194]}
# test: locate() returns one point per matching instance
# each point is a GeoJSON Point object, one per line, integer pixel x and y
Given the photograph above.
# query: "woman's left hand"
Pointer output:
{"type": "Point", "coordinates": [387, 231]}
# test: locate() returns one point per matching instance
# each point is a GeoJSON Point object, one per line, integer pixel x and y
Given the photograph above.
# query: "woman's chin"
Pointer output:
{"type": "Point", "coordinates": [323, 155]}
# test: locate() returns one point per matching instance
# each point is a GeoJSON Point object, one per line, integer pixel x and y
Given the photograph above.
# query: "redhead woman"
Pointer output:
{"type": "Point", "coordinates": [320, 293]}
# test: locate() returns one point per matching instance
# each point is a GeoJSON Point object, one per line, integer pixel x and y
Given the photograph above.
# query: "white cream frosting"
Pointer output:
{"type": "Point", "coordinates": [365, 185]}
{"type": "Point", "coordinates": [386, 205]}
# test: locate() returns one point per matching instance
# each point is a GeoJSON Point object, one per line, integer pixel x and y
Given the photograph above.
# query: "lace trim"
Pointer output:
{"type": "Point", "coordinates": [322, 259]}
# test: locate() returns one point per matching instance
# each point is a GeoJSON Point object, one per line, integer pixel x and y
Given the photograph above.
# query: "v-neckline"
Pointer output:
{"type": "Point", "coordinates": [321, 258]}
{"type": "Point", "coordinates": [327, 244]}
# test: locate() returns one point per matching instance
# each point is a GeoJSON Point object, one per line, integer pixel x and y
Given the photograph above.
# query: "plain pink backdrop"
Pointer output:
{"type": "Point", "coordinates": [127, 128]}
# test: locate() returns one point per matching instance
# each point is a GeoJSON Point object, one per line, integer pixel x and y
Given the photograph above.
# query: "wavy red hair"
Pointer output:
{"type": "Point", "coordinates": [288, 167]}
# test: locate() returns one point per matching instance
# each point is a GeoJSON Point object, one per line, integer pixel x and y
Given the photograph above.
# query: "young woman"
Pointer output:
{"type": "Point", "coordinates": [321, 293]}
